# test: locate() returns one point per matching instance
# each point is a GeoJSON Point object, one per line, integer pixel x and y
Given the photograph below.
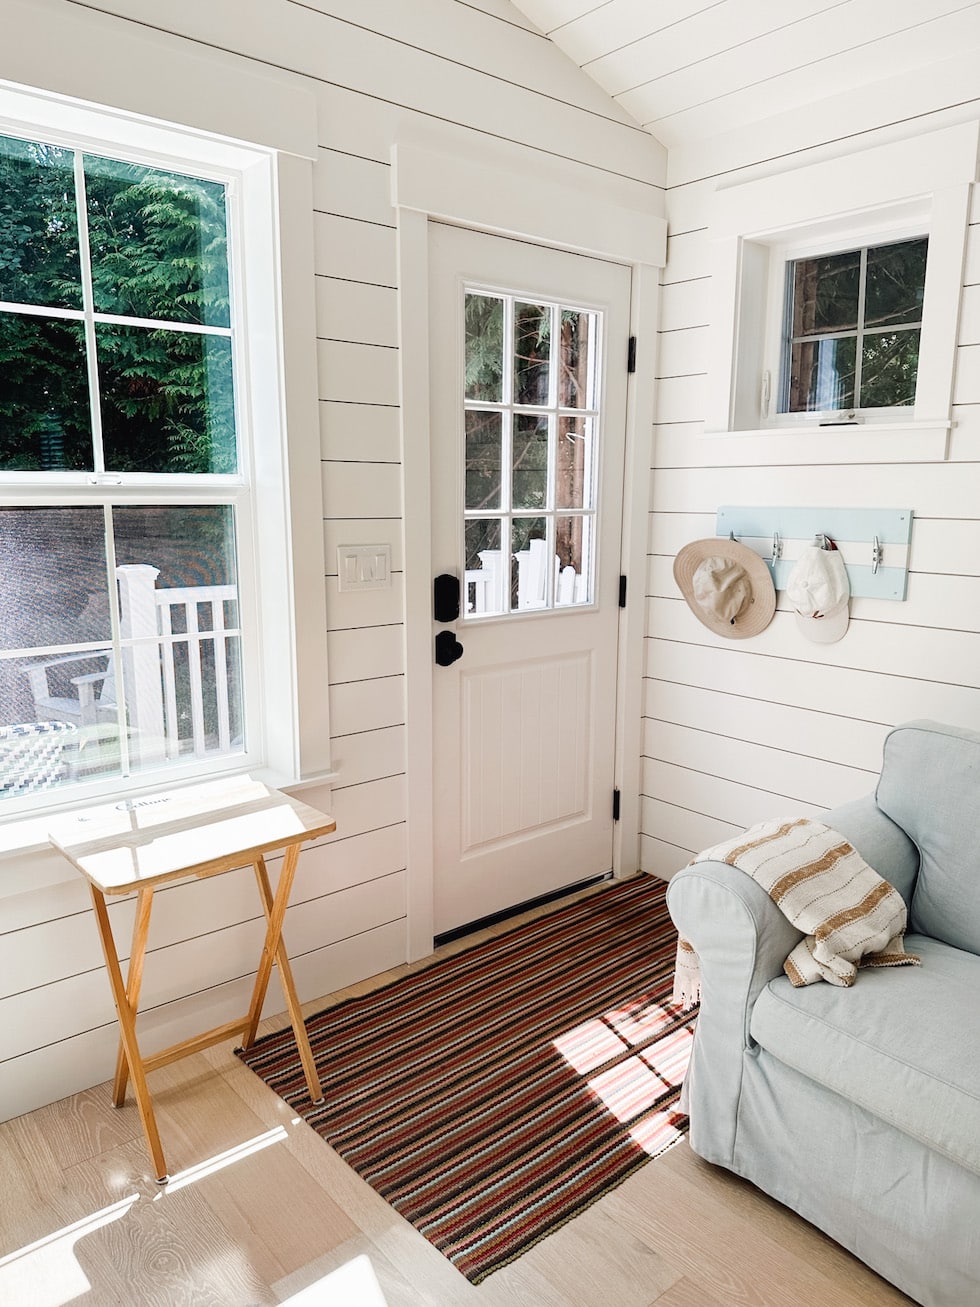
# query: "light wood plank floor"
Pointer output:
{"type": "Point", "coordinates": [264, 1212]}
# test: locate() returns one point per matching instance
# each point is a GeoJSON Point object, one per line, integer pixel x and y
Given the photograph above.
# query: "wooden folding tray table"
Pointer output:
{"type": "Point", "coordinates": [202, 830]}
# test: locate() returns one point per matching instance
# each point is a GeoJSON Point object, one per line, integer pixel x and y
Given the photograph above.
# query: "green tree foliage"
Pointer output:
{"type": "Point", "coordinates": [158, 251]}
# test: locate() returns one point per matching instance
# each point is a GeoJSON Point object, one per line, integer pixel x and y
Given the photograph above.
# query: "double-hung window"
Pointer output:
{"type": "Point", "coordinates": [125, 532]}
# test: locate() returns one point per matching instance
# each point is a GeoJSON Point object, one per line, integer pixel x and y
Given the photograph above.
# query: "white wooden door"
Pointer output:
{"type": "Point", "coordinates": [528, 350]}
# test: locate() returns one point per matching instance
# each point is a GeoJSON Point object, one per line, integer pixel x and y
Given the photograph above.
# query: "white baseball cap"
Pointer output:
{"type": "Point", "coordinates": [819, 590]}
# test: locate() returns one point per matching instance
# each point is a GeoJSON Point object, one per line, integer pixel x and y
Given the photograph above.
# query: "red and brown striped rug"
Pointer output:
{"type": "Point", "coordinates": [493, 1095]}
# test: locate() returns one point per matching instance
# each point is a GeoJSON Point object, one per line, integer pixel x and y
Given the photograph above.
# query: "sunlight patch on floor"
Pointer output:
{"type": "Point", "coordinates": [221, 1160]}
{"type": "Point", "coordinates": [46, 1273]}
{"type": "Point", "coordinates": [352, 1285]}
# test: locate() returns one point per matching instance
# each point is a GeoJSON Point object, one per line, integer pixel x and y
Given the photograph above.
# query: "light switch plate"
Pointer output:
{"type": "Point", "coordinates": [364, 567]}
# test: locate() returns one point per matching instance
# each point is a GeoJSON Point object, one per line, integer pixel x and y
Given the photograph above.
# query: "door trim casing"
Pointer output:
{"type": "Point", "coordinates": [425, 185]}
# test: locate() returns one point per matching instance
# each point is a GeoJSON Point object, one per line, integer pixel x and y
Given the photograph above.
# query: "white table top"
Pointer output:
{"type": "Point", "coordinates": [199, 830]}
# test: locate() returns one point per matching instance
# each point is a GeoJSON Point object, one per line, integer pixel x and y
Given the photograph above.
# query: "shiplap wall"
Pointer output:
{"type": "Point", "coordinates": [738, 731]}
{"type": "Point", "coordinates": [472, 77]}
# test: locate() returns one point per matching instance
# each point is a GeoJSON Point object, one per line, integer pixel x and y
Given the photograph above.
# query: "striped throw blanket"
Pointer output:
{"type": "Point", "coordinates": [850, 916]}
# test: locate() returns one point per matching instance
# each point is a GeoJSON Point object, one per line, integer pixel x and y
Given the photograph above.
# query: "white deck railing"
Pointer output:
{"type": "Point", "coordinates": [155, 642]}
{"type": "Point", "coordinates": [488, 586]}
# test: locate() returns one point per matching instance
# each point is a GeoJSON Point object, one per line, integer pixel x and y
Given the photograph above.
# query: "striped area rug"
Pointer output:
{"type": "Point", "coordinates": [493, 1095]}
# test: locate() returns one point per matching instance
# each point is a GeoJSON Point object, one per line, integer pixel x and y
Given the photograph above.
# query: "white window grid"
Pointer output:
{"type": "Point", "coordinates": [858, 335]}
{"type": "Point", "coordinates": [553, 412]}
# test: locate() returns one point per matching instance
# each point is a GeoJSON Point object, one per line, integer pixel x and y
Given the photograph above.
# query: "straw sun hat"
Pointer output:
{"type": "Point", "coordinates": [727, 586]}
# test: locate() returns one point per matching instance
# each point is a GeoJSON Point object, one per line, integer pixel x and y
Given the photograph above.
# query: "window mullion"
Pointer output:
{"type": "Point", "coordinates": [115, 626]}
{"type": "Point", "coordinates": [859, 343]}
{"type": "Point", "coordinates": [88, 309]}
{"type": "Point", "coordinates": [507, 456]}
{"type": "Point", "coordinates": [161, 324]}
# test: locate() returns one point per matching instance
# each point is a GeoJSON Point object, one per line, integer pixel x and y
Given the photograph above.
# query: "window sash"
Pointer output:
{"type": "Point", "coordinates": [858, 334]}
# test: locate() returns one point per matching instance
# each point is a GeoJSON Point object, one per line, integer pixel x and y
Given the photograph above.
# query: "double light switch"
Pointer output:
{"type": "Point", "coordinates": [364, 567]}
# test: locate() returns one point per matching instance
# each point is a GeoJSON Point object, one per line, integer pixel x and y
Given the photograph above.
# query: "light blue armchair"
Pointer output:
{"type": "Point", "coordinates": [858, 1108]}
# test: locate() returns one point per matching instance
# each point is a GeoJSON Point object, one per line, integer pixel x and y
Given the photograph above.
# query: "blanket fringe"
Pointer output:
{"type": "Point", "coordinates": [687, 977]}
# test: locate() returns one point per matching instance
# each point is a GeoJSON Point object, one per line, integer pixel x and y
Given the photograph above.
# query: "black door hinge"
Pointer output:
{"type": "Point", "coordinates": [631, 355]}
{"type": "Point", "coordinates": [615, 805]}
{"type": "Point", "coordinates": [622, 592]}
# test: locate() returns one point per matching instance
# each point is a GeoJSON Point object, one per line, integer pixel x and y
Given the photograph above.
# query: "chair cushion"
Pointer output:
{"type": "Point", "coordinates": [929, 785]}
{"type": "Point", "coordinates": [901, 1043]}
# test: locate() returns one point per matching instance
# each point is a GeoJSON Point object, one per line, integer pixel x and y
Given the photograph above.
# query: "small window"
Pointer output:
{"type": "Point", "coordinates": [854, 320]}
{"type": "Point", "coordinates": [123, 486]}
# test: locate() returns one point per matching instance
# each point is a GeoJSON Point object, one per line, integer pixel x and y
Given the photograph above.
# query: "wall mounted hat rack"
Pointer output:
{"type": "Point", "coordinates": [874, 542]}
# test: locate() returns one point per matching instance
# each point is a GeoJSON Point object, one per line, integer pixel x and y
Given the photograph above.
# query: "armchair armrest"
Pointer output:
{"type": "Point", "coordinates": [742, 940]}
{"type": "Point", "coordinates": [740, 936]}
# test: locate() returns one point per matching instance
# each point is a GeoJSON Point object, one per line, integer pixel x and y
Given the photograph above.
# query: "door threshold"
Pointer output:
{"type": "Point", "coordinates": [495, 918]}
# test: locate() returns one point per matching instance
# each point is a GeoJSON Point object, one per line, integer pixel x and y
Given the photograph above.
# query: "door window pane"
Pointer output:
{"type": "Point", "coordinates": [486, 575]}
{"type": "Point", "coordinates": [530, 470]}
{"type": "Point", "coordinates": [532, 353]}
{"type": "Point", "coordinates": [158, 242]}
{"type": "Point", "coordinates": [532, 570]}
{"type": "Point", "coordinates": [44, 397]}
{"type": "Point", "coordinates": [573, 560]}
{"type": "Point", "coordinates": [39, 261]}
{"type": "Point", "coordinates": [575, 471]}
{"type": "Point", "coordinates": [167, 400]}
{"type": "Point", "coordinates": [484, 347]}
{"type": "Point", "coordinates": [576, 362]}
{"type": "Point", "coordinates": [484, 453]}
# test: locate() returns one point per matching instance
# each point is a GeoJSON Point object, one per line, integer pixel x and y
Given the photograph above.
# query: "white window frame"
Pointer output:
{"type": "Point", "coordinates": [277, 490]}
{"type": "Point", "coordinates": [917, 187]}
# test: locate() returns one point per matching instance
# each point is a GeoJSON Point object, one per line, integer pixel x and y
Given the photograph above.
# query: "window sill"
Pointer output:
{"type": "Point", "coordinates": [864, 442]}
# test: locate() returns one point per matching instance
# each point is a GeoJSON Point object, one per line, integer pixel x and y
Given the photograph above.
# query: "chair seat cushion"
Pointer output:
{"type": "Point", "coordinates": [902, 1042]}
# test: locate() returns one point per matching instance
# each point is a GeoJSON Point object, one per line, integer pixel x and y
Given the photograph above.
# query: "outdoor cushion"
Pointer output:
{"type": "Point", "coordinates": [930, 786]}
{"type": "Point", "coordinates": [900, 1042]}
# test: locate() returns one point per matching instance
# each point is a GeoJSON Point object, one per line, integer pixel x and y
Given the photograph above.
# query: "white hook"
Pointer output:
{"type": "Point", "coordinates": [876, 556]}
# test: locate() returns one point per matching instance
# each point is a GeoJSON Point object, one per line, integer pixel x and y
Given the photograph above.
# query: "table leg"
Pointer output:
{"type": "Point", "coordinates": [127, 1026]}
{"type": "Point", "coordinates": [275, 912]}
{"type": "Point", "coordinates": [134, 979]}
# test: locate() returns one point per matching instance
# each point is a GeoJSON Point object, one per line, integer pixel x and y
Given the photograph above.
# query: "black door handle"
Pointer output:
{"type": "Point", "coordinates": [445, 597]}
{"type": "Point", "coordinates": [448, 648]}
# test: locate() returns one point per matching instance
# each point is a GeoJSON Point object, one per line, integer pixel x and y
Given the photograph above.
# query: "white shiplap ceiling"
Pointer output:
{"type": "Point", "coordinates": [690, 69]}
